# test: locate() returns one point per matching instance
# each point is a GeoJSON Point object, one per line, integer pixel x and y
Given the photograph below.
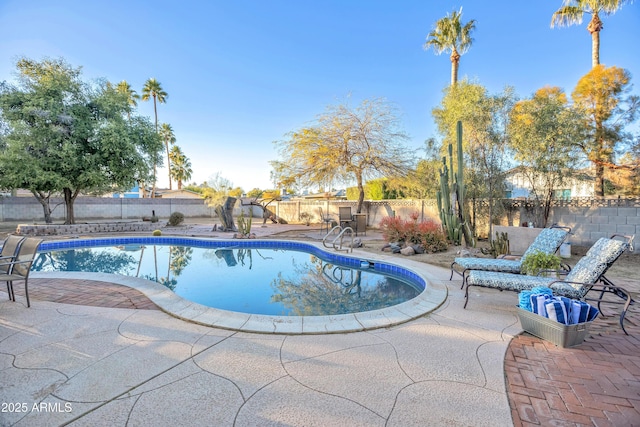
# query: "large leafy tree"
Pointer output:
{"type": "Point", "coordinates": [542, 132]}
{"type": "Point", "coordinates": [167, 135]}
{"type": "Point", "coordinates": [347, 145]}
{"type": "Point", "coordinates": [573, 11]}
{"type": "Point", "coordinates": [601, 97]}
{"type": "Point", "coordinates": [180, 166]}
{"type": "Point", "coordinates": [66, 136]}
{"type": "Point", "coordinates": [451, 35]}
{"type": "Point", "coordinates": [484, 119]}
{"type": "Point", "coordinates": [152, 89]}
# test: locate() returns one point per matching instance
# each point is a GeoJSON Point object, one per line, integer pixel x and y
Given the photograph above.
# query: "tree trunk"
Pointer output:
{"type": "Point", "coordinates": [225, 213]}
{"type": "Point", "coordinates": [594, 27]}
{"type": "Point", "coordinates": [46, 207]}
{"type": "Point", "coordinates": [155, 167]}
{"type": "Point", "coordinates": [598, 185]}
{"type": "Point", "coordinates": [152, 193]}
{"type": "Point", "coordinates": [595, 49]}
{"type": "Point", "coordinates": [360, 194]}
{"type": "Point", "coordinates": [69, 198]}
{"type": "Point", "coordinates": [455, 63]}
{"type": "Point", "coordinates": [166, 144]}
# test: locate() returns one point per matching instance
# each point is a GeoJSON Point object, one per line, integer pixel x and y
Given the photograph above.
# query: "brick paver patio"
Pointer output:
{"type": "Point", "coordinates": [594, 384]}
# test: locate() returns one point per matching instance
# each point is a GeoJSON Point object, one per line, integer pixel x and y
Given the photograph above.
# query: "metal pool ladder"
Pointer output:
{"type": "Point", "coordinates": [336, 243]}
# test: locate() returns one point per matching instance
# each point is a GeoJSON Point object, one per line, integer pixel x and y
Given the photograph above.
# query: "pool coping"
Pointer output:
{"type": "Point", "coordinates": [432, 297]}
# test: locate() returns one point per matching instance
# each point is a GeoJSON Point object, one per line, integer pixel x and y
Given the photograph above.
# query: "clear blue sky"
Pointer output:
{"type": "Point", "coordinates": [241, 74]}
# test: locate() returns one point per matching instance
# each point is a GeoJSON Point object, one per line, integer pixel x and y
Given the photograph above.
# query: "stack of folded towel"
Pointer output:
{"type": "Point", "coordinates": [540, 300]}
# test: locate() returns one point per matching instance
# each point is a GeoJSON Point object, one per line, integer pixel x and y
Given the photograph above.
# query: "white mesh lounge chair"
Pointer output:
{"type": "Point", "coordinates": [548, 241]}
{"type": "Point", "coordinates": [589, 270]}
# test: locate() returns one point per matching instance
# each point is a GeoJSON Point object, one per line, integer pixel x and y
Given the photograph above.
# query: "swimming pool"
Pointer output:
{"type": "Point", "coordinates": [328, 277]}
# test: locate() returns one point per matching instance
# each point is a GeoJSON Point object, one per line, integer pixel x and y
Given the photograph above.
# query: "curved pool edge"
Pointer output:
{"type": "Point", "coordinates": [432, 297]}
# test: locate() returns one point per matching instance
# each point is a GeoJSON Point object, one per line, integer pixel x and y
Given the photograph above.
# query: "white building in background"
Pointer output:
{"type": "Point", "coordinates": [518, 185]}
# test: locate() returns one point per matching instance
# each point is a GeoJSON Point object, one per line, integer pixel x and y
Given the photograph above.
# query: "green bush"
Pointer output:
{"type": "Point", "coordinates": [176, 218]}
{"type": "Point", "coordinates": [157, 233]}
{"type": "Point", "coordinates": [536, 262]}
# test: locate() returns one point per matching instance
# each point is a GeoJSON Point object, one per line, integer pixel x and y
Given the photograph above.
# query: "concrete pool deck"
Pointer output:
{"type": "Point", "coordinates": [121, 366]}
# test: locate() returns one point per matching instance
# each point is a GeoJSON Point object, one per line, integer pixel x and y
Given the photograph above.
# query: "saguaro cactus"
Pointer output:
{"type": "Point", "coordinates": [450, 197]}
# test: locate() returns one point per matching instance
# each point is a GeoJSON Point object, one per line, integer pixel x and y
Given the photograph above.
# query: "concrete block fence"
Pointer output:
{"type": "Point", "coordinates": [590, 224]}
{"type": "Point", "coordinates": [589, 218]}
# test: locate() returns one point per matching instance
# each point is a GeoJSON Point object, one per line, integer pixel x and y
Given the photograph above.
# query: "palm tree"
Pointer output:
{"type": "Point", "coordinates": [153, 89]}
{"type": "Point", "coordinates": [180, 166]}
{"type": "Point", "coordinates": [450, 35]}
{"type": "Point", "coordinates": [132, 96]}
{"type": "Point", "coordinates": [573, 11]}
{"type": "Point", "coordinates": [167, 135]}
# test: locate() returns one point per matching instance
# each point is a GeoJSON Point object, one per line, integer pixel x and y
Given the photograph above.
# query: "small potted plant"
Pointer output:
{"type": "Point", "coordinates": [540, 262]}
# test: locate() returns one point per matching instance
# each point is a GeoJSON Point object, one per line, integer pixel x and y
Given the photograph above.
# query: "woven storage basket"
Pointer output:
{"type": "Point", "coordinates": [552, 331]}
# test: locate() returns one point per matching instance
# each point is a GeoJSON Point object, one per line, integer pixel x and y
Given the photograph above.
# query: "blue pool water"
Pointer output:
{"type": "Point", "coordinates": [249, 276]}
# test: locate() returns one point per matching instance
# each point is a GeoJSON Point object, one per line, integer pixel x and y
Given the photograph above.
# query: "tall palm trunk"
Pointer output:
{"type": "Point", "coordinates": [594, 27]}
{"type": "Point", "coordinates": [595, 49]}
{"type": "Point", "coordinates": [598, 187]}
{"type": "Point", "coordinates": [455, 64]}
{"type": "Point", "coordinates": [155, 167]}
{"type": "Point", "coordinates": [166, 144]}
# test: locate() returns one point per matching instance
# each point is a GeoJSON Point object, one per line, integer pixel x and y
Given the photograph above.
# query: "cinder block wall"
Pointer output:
{"type": "Point", "coordinates": [588, 224]}
{"type": "Point", "coordinates": [589, 219]}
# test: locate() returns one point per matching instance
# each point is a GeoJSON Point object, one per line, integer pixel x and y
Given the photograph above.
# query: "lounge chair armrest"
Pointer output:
{"type": "Point", "coordinates": [15, 262]}
{"type": "Point", "coordinates": [621, 292]}
{"type": "Point", "coordinates": [568, 282]}
{"type": "Point", "coordinates": [628, 237]}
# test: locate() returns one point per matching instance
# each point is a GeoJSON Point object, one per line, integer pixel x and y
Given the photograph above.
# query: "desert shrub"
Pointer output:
{"type": "Point", "coordinates": [432, 238]}
{"type": "Point", "coordinates": [427, 233]}
{"type": "Point", "coordinates": [176, 218]}
{"type": "Point", "coordinates": [392, 229]}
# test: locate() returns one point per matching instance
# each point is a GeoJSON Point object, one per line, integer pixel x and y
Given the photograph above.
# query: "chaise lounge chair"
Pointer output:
{"type": "Point", "coordinates": [589, 270]}
{"type": "Point", "coordinates": [548, 241]}
{"type": "Point", "coordinates": [17, 268]}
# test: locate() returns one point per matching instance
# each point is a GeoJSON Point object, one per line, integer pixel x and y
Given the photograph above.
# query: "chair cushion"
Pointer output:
{"type": "Point", "coordinates": [607, 250]}
{"type": "Point", "coordinates": [506, 281]}
{"type": "Point", "coordinates": [548, 241]}
{"type": "Point", "coordinates": [587, 270]}
{"type": "Point", "coordinates": [489, 264]}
